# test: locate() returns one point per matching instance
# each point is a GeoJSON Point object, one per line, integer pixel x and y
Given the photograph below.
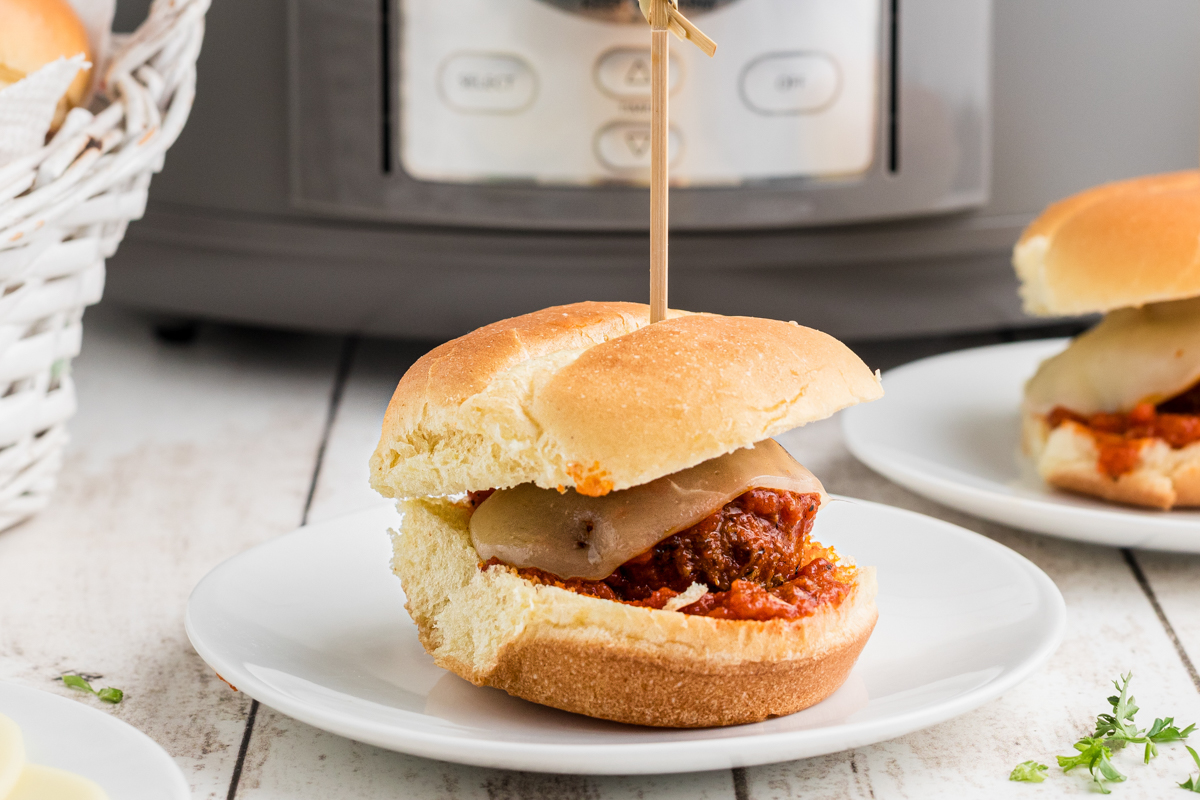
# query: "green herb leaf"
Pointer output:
{"type": "Point", "coordinates": [1097, 757]}
{"type": "Point", "coordinates": [1165, 730]}
{"type": "Point", "coordinates": [1029, 771]}
{"type": "Point", "coordinates": [1162, 731]}
{"type": "Point", "coordinates": [1107, 769]}
{"type": "Point", "coordinates": [1192, 784]}
{"type": "Point", "coordinates": [76, 682]}
{"type": "Point", "coordinates": [110, 695]}
{"type": "Point", "coordinates": [1086, 751]}
{"type": "Point", "coordinates": [1119, 725]}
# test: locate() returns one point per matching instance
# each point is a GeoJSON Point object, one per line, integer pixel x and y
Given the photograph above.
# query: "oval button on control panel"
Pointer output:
{"type": "Point", "coordinates": [625, 146]}
{"type": "Point", "coordinates": [487, 83]}
{"type": "Point", "coordinates": [625, 72]}
{"type": "Point", "coordinates": [790, 83]}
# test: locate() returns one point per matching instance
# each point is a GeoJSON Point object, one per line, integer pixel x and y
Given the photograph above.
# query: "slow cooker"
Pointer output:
{"type": "Point", "coordinates": [417, 168]}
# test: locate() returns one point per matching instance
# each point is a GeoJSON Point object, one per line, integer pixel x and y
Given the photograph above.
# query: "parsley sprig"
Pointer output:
{"type": "Point", "coordinates": [107, 694]}
{"type": "Point", "coordinates": [1113, 732]}
{"type": "Point", "coordinates": [1118, 729]}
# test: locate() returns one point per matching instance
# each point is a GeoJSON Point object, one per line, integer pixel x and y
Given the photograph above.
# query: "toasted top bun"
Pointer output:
{"type": "Point", "coordinates": [1135, 355]}
{"type": "Point", "coordinates": [1117, 245]}
{"type": "Point", "coordinates": [592, 396]}
{"type": "Point", "coordinates": [35, 32]}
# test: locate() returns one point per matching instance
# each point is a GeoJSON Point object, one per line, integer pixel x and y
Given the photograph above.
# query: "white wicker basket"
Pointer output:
{"type": "Point", "coordinates": [63, 210]}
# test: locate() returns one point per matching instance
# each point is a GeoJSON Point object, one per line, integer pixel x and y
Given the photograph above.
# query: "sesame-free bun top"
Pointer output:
{"type": "Point", "coordinates": [35, 32]}
{"type": "Point", "coordinates": [1121, 244]}
{"type": "Point", "coordinates": [1135, 355]}
{"type": "Point", "coordinates": [592, 396]}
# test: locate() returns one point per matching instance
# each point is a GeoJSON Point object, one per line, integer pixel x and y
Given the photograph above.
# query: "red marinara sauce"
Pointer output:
{"type": "Point", "coordinates": [755, 552]}
{"type": "Point", "coordinates": [1120, 437]}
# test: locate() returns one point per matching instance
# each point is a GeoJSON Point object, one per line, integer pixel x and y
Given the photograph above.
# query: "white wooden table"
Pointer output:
{"type": "Point", "coordinates": [184, 455]}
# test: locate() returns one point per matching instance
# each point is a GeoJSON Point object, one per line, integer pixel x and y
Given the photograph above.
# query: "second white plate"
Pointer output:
{"type": "Point", "coordinates": [313, 625]}
{"type": "Point", "coordinates": [949, 429]}
{"type": "Point", "coordinates": [67, 734]}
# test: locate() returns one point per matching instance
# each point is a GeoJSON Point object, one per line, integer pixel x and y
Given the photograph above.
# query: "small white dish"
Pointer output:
{"type": "Point", "coordinates": [67, 734]}
{"type": "Point", "coordinates": [313, 625]}
{"type": "Point", "coordinates": [949, 429]}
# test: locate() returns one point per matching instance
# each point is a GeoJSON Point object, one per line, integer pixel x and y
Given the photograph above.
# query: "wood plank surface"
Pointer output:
{"type": "Point", "coordinates": [181, 456]}
{"type": "Point", "coordinates": [375, 368]}
{"type": "Point", "coordinates": [1173, 581]}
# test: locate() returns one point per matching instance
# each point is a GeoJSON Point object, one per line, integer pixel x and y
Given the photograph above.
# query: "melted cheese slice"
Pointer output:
{"type": "Point", "coordinates": [1135, 355]}
{"type": "Point", "coordinates": [47, 783]}
{"type": "Point", "coordinates": [574, 536]}
{"type": "Point", "coordinates": [12, 755]}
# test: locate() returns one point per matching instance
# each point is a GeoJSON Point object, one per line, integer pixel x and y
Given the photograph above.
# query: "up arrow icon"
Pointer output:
{"type": "Point", "coordinates": [639, 73]}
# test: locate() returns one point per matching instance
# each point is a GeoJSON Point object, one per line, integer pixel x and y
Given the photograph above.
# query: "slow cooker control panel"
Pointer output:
{"type": "Point", "coordinates": [530, 91]}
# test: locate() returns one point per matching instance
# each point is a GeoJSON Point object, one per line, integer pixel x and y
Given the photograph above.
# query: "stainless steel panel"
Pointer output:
{"type": "Point", "coordinates": [435, 284]}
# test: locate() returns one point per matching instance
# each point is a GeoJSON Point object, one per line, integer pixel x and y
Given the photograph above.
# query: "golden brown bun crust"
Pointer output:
{"type": "Point", "coordinates": [590, 395]}
{"type": "Point", "coordinates": [1067, 457]}
{"type": "Point", "coordinates": [1135, 355]}
{"type": "Point", "coordinates": [607, 659]}
{"type": "Point", "coordinates": [36, 32]}
{"type": "Point", "coordinates": [670, 692]}
{"type": "Point", "coordinates": [1120, 244]}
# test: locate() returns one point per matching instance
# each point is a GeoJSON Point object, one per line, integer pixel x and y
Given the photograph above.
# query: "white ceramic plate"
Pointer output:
{"type": "Point", "coordinates": [69, 735]}
{"type": "Point", "coordinates": [313, 625]}
{"type": "Point", "coordinates": [949, 429]}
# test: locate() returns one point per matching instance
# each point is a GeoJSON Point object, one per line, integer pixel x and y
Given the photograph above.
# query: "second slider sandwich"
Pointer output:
{"type": "Point", "coordinates": [596, 518]}
{"type": "Point", "coordinates": [1117, 414]}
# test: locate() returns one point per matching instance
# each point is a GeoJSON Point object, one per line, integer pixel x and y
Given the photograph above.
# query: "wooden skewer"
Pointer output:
{"type": "Point", "coordinates": [664, 18]}
{"type": "Point", "coordinates": [679, 25]}
{"type": "Point", "coordinates": [660, 157]}
{"type": "Point", "coordinates": [684, 29]}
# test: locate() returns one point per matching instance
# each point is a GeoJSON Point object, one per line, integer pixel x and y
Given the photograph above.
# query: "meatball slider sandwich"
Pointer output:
{"type": "Point", "coordinates": [1117, 414]}
{"type": "Point", "coordinates": [595, 517]}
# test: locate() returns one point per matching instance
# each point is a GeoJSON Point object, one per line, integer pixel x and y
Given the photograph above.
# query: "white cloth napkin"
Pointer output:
{"type": "Point", "coordinates": [27, 106]}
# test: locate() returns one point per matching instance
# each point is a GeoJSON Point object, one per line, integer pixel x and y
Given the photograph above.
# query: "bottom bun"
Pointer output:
{"type": "Point", "coordinates": [611, 660]}
{"type": "Point", "coordinates": [1067, 457]}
